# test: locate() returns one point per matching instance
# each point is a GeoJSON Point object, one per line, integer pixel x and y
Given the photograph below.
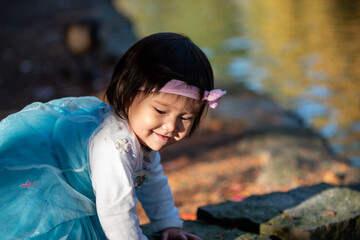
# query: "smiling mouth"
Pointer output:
{"type": "Point", "coordinates": [162, 137]}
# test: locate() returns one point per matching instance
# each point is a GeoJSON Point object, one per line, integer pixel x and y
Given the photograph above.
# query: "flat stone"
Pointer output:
{"type": "Point", "coordinates": [331, 214]}
{"type": "Point", "coordinates": [207, 232]}
{"type": "Point", "coordinates": [253, 236]}
{"type": "Point", "coordinates": [248, 214]}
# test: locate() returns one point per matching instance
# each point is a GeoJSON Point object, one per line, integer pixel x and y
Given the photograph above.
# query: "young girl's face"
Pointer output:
{"type": "Point", "coordinates": [160, 119]}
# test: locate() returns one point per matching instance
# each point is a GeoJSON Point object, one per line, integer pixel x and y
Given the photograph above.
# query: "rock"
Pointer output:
{"type": "Point", "coordinates": [331, 214]}
{"type": "Point", "coordinates": [317, 212]}
{"type": "Point", "coordinates": [253, 236]}
{"type": "Point", "coordinates": [295, 155]}
{"type": "Point", "coordinates": [253, 110]}
{"type": "Point", "coordinates": [248, 214]}
{"type": "Point", "coordinates": [207, 232]}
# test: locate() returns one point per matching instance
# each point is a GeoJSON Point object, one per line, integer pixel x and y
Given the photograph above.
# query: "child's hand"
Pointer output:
{"type": "Point", "coordinates": [177, 234]}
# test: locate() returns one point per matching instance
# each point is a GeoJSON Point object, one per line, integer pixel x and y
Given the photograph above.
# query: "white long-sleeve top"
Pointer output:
{"type": "Point", "coordinates": [117, 164]}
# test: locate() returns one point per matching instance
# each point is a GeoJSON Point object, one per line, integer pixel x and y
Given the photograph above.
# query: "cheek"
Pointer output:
{"type": "Point", "coordinates": [148, 121]}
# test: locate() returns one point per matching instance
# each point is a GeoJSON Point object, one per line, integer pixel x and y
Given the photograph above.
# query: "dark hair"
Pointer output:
{"type": "Point", "coordinates": [152, 62]}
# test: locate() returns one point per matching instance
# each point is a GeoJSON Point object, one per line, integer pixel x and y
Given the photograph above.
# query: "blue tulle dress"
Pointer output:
{"type": "Point", "coordinates": [45, 186]}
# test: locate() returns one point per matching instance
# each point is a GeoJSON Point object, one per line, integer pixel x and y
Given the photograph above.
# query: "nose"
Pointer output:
{"type": "Point", "coordinates": [171, 125]}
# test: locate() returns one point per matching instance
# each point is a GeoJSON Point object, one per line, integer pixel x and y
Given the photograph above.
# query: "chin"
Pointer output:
{"type": "Point", "coordinates": [158, 147]}
{"type": "Point", "coordinates": [155, 148]}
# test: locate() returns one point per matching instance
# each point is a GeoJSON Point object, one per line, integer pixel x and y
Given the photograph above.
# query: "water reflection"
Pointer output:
{"type": "Point", "coordinates": [304, 53]}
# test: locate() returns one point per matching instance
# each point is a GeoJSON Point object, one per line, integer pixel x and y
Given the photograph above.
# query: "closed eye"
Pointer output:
{"type": "Point", "coordinates": [160, 111]}
{"type": "Point", "coordinates": [187, 118]}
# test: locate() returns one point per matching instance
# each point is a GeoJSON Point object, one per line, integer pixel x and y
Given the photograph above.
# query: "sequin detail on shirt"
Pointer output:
{"type": "Point", "coordinates": [141, 175]}
{"type": "Point", "coordinates": [123, 145]}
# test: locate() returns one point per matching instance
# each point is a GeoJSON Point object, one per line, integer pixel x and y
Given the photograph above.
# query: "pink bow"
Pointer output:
{"type": "Point", "coordinates": [213, 97]}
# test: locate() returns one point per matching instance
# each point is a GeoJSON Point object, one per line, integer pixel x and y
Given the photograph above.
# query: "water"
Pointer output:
{"type": "Point", "coordinates": [305, 54]}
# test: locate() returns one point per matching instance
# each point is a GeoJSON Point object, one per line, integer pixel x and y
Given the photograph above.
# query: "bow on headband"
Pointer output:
{"type": "Point", "coordinates": [213, 97]}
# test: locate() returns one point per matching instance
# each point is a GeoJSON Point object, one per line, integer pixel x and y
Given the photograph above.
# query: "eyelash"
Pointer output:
{"type": "Point", "coordinates": [163, 112]}
{"type": "Point", "coordinates": [187, 119]}
{"type": "Point", "coordinates": [160, 111]}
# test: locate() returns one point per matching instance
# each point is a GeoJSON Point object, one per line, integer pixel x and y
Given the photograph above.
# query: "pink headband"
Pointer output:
{"type": "Point", "coordinates": [181, 88]}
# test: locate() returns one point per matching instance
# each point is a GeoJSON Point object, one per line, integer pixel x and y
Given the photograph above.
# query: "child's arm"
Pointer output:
{"type": "Point", "coordinates": [111, 174]}
{"type": "Point", "coordinates": [156, 198]}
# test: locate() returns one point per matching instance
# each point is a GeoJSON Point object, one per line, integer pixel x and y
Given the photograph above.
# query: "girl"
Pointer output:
{"type": "Point", "coordinates": [72, 168]}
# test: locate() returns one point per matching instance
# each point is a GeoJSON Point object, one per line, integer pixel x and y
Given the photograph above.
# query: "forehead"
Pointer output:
{"type": "Point", "coordinates": [176, 102]}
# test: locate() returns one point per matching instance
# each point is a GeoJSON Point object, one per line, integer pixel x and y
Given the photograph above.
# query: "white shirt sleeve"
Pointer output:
{"type": "Point", "coordinates": [156, 198]}
{"type": "Point", "coordinates": [112, 179]}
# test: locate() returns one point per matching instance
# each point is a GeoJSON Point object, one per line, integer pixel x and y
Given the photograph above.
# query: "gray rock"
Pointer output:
{"type": "Point", "coordinates": [248, 214]}
{"type": "Point", "coordinates": [317, 212]}
{"type": "Point", "coordinates": [331, 214]}
{"type": "Point", "coordinates": [254, 111]}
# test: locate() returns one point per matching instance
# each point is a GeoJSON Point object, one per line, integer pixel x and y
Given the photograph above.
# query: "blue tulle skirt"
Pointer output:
{"type": "Point", "coordinates": [45, 185]}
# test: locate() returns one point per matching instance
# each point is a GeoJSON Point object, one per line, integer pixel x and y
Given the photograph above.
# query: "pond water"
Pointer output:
{"type": "Point", "coordinates": [305, 54]}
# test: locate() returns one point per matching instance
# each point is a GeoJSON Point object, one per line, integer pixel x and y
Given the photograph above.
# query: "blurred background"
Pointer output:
{"type": "Point", "coordinates": [304, 54]}
{"type": "Point", "coordinates": [283, 63]}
